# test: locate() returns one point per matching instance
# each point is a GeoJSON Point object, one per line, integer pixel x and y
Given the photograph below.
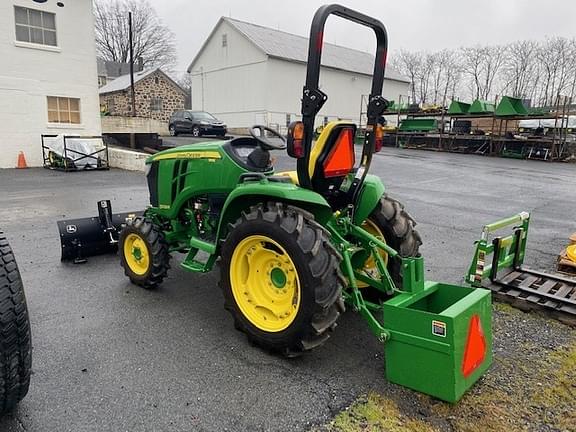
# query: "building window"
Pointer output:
{"type": "Point", "coordinates": [101, 81]}
{"type": "Point", "coordinates": [288, 120]}
{"type": "Point", "coordinates": [35, 26]}
{"type": "Point", "coordinates": [156, 80]}
{"type": "Point", "coordinates": [63, 110]}
{"type": "Point", "coordinates": [224, 40]}
{"type": "Point", "coordinates": [155, 103]}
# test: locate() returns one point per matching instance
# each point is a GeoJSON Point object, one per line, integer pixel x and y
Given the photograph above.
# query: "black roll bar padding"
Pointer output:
{"type": "Point", "coordinates": [313, 98]}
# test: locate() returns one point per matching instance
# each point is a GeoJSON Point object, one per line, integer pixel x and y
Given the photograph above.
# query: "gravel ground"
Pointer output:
{"type": "Point", "coordinates": [170, 360]}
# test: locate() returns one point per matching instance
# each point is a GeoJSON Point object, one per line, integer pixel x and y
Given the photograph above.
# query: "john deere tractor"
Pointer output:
{"type": "Point", "coordinates": [295, 247]}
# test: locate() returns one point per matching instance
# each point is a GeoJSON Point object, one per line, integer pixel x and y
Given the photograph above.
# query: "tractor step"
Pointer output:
{"type": "Point", "coordinates": [529, 289]}
{"type": "Point", "coordinates": [200, 249]}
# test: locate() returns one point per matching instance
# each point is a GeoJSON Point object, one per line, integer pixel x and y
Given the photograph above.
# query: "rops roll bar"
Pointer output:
{"type": "Point", "coordinates": [313, 98]}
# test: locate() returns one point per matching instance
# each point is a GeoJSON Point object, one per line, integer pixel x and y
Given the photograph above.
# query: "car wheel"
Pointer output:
{"type": "Point", "coordinates": [196, 131]}
{"type": "Point", "coordinates": [172, 130]}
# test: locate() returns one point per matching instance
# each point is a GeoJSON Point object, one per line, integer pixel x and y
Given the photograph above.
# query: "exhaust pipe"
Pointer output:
{"type": "Point", "coordinates": [81, 238]}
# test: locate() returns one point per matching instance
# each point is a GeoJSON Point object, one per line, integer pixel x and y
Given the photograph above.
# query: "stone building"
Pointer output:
{"type": "Point", "coordinates": [157, 95]}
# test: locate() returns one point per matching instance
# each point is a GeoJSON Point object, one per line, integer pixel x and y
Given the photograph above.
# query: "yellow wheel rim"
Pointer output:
{"type": "Point", "coordinates": [265, 283]}
{"type": "Point", "coordinates": [136, 254]}
{"type": "Point", "coordinates": [370, 269]}
{"type": "Point", "coordinates": [571, 253]}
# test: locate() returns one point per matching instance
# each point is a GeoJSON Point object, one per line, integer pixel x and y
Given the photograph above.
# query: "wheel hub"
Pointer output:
{"type": "Point", "coordinates": [265, 283]}
{"type": "Point", "coordinates": [136, 254]}
{"type": "Point", "coordinates": [278, 277]}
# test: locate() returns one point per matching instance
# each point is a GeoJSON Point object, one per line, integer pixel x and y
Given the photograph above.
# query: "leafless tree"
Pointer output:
{"type": "Point", "coordinates": [482, 64]}
{"type": "Point", "coordinates": [557, 63]}
{"type": "Point", "coordinates": [409, 64]}
{"type": "Point", "coordinates": [153, 41]}
{"type": "Point", "coordinates": [446, 73]}
{"type": "Point", "coordinates": [520, 69]}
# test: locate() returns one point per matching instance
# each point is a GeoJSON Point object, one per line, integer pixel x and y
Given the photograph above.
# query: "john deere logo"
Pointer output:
{"type": "Point", "coordinates": [71, 229]}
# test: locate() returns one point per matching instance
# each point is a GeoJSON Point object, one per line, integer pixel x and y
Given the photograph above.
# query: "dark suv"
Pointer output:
{"type": "Point", "coordinates": [197, 123]}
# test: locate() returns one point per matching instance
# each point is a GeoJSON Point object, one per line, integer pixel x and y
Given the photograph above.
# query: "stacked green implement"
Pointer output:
{"type": "Point", "coordinates": [509, 107]}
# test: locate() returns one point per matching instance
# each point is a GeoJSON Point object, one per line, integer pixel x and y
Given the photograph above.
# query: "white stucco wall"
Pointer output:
{"type": "Point", "coordinates": [31, 73]}
{"type": "Point", "coordinates": [229, 82]}
{"type": "Point", "coordinates": [242, 86]}
{"type": "Point", "coordinates": [285, 81]}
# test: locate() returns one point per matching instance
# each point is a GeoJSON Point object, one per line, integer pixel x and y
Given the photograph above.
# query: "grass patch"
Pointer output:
{"type": "Point", "coordinates": [558, 397]}
{"type": "Point", "coordinates": [376, 413]}
{"type": "Point", "coordinates": [519, 393]}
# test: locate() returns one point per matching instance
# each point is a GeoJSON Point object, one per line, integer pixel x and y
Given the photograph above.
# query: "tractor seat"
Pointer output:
{"type": "Point", "coordinates": [320, 150]}
{"type": "Point", "coordinates": [246, 152]}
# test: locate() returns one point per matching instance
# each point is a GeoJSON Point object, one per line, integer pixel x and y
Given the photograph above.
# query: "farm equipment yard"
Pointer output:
{"type": "Point", "coordinates": [111, 356]}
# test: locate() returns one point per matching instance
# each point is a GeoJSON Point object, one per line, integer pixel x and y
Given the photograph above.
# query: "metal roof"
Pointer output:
{"type": "Point", "coordinates": [291, 47]}
{"type": "Point", "coordinates": [123, 82]}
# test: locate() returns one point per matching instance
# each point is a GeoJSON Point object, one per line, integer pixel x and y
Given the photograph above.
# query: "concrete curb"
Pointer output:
{"type": "Point", "coordinates": [127, 159]}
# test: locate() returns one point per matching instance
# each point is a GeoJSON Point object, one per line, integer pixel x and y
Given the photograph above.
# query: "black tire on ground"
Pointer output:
{"type": "Point", "coordinates": [399, 233]}
{"type": "Point", "coordinates": [15, 337]}
{"type": "Point", "coordinates": [196, 131]}
{"type": "Point", "coordinates": [158, 252]}
{"type": "Point", "coordinates": [172, 130]}
{"type": "Point", "coordinates": [317, 264]}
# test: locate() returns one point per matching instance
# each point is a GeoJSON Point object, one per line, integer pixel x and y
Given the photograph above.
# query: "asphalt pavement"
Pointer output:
{"type": "Point", "coordinates": [109, 356]}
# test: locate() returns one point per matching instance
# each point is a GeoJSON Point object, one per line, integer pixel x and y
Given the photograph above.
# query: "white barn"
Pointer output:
{"type": "Point", "coordinates": [247, 74]}
{"type": "Point", "coordinates": [48, 78]}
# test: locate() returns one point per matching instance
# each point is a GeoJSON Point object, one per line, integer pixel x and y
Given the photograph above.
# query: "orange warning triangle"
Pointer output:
{"type": "Point", "coordinates": [475, 350]}
{"type": "Point", "coordinates": [341, 159]}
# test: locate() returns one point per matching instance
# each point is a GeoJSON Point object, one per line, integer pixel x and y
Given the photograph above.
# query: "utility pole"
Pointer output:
{"type": "Point", "coordinates": [131, 65]}
{"type": "Point", "coordinates": [133, 94]}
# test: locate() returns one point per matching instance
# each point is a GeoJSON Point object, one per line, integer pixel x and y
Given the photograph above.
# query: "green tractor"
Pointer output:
{"type": "Point", "coordinates": [295, 247]}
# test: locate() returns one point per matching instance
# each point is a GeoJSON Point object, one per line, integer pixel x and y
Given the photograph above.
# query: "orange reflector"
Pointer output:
{"type": "Point", "coordinates": [341, 159]}
{"type": "Point", "coordinates": [295, 140]}
{"type": "Point", "coordinates": [298, 131]}
{"type": "Point", "coordinates": [475, 350]}
{"type": "Point", "coordinates": [378, 137]}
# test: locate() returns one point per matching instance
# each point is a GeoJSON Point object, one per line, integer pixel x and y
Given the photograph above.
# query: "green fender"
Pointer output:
{"type": "Point", "coordinates": [372, 191]}
{"type": "Point", "coordinates": [252, 193]}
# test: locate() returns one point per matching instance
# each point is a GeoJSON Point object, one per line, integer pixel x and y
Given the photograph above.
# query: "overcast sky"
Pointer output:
{"type": "Point", "coordinates": [411, 24]}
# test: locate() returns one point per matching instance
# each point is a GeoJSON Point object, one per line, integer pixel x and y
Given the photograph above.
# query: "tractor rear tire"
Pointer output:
{"type": "Point", "coordinates": [15, 337]}
{"type": "Point", "coordinates": [284, 239]}
{"type": "Point", "coordinates": [144, 253]}
{"type": "Point", "coordinates": [397, 227]}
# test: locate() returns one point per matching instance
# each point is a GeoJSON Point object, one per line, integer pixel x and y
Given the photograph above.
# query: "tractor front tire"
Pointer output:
{"type": "Point", "coordinates": [15, 338]}
{"type": "Point", "coordinates": [281, 280]}
{"type": "Point", "coordinates": [144, 253]}
{"type": "Point", "coordinates": [390, 221]}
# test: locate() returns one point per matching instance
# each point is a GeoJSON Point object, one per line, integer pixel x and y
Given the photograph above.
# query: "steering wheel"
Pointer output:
{"type": "Point", "coordinates": [258, 132]}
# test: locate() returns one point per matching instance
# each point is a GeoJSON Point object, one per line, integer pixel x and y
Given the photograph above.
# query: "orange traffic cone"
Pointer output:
{"type": "Point", "coordinates": [21, 161]}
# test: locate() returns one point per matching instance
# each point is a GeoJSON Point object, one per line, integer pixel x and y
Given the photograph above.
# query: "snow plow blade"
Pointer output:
{"type": "Point", "coordinates": [81, 238]}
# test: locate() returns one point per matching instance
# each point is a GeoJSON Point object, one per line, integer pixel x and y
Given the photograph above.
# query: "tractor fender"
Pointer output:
{"type": "Point", "coordinates": [253, 193]}
{"type": "Point", "coordinates": [372, 190]}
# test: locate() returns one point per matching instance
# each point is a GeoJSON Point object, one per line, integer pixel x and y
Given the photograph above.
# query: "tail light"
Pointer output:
{"type": "Point", "coordinates": [295, 140]}
{"type": "Point", "coordinates": [378, 137]}
{"type": "Point", "coordinates": [341, 159]}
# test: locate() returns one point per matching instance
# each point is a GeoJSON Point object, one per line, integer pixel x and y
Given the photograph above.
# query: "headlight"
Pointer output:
{"type": "Point", "coordinates": [204, 122]}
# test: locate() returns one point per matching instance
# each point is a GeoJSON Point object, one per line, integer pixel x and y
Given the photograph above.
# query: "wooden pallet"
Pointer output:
{"type": "Point", "coordinates": [529, 289]}
{"type": "Point", "coordinates": [566, 265]}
